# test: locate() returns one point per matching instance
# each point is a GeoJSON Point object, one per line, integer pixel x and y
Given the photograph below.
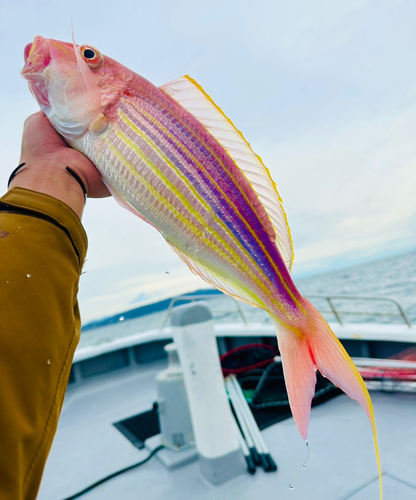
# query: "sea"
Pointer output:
{"type": "Point", "coordinates": [381, 291]}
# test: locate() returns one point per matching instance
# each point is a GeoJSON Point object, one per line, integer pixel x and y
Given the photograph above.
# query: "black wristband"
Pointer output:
{"type": "Point", "coordinates": [13, 174]}
{"type": "Point", "coordinates": [78, 179]}
{"type": "Point", "coordinates": [74, 175]}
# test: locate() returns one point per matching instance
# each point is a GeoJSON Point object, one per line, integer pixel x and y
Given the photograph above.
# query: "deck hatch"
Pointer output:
{"type": "Point", "coordinates": [140, 427]}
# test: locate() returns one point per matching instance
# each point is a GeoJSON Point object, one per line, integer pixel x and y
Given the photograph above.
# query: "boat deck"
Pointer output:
{"type": "Point", "coordinates": [341, 465]}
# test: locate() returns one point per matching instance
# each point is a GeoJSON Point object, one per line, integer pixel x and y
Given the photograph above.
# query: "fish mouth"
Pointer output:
{"type": "Point", "coordinates": [45, 57]}
{"type": "Point", "coordinates": [37, 57]}
{"type": "Point", "coordinates": [27, 51]}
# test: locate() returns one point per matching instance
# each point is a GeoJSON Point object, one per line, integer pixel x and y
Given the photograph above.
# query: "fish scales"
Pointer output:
{"type": "Point", "coordinates": [211, 172]}
{"type": "Point", "coordinates": [194, 166]}
{"type": "Point", "coordinates": [205, 209]}
{"type": "Point", "coordinates": [236, 251]}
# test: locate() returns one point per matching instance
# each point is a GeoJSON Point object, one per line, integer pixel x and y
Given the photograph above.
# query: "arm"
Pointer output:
{"type": "Point", "coordinates": [43, 247]}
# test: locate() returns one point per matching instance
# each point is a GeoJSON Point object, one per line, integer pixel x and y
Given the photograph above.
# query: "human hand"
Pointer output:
{"type": "Point", "coordinates": [47, 155]}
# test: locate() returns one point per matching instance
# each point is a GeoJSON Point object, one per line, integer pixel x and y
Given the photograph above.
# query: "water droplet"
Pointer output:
{"type": "Point", "coordinates": [28, 275]}
{"type": "Point", "coordinates": [7, 281]}
{"type": "Point", "coordinates": [121, 318]}
{"type": "Point", "coordinates": [18, 227]}
{"type": "Point", "coordinates": [49, 361]}
{"type": "Point", "coordinates": [308, 452]}
{"type": "Point", "coordinates": [291, 487]}
{"type": "Point", "coordinates": [167, 273]}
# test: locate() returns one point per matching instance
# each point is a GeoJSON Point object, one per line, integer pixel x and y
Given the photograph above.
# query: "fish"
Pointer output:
{"type": "Point", "coordinates": [172, 157]}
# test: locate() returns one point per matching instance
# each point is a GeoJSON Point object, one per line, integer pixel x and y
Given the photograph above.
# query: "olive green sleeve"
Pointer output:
{"type": "Point", "coordinates": [42, 250]}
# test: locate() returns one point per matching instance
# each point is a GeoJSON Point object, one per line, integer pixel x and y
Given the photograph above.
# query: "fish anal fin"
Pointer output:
{"type": "Point", "coordinates": [226, 285]}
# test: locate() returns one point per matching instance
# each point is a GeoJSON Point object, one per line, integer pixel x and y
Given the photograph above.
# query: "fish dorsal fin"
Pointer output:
{"type": "Point", "coordinates": [191, 96]}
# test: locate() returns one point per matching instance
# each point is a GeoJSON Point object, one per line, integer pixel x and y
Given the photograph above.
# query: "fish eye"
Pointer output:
{"type": "Point", "coordinates": [91, 56]}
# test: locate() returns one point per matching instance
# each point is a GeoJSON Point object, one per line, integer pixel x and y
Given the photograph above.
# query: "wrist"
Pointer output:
{"type": "Point", "coordinates": [54, 180]}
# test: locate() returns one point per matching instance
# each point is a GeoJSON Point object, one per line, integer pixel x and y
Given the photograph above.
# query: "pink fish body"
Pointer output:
{"type": "Point", "coordinates": [173, 158]}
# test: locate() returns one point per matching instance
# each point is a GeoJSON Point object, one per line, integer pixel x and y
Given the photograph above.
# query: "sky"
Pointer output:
{"type": "Point", "coordinates": [324, 91]}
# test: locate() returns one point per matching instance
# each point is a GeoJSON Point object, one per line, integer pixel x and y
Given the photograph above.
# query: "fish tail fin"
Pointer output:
{"type": "Point", "coordinates": [315, 347]}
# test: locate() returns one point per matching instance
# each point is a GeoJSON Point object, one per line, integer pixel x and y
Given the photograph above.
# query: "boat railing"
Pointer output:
{"type": "Point", "coordinates": [339, 313]}
{"type": "Point", "coordinates": [336, 312]}
{"type": "Point", "coordinates": [193, 298]}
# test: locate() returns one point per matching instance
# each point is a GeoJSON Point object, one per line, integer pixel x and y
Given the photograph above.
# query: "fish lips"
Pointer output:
{"type": "Point", "coordinates": [37, 59]}
{"type": "Point", "coordinates": [38, 56]}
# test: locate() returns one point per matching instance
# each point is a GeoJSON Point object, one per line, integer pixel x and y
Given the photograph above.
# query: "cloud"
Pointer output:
{"type": "Point", "coordinates": [325, 92]}
{"type": "Point", "coordinates": [354, 187]}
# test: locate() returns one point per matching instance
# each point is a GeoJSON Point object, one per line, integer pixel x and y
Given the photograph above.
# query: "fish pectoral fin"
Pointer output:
{"type": "Point", "coordinates": [81, 92]}
{"type": "Point", "coordinates": [192, 97]}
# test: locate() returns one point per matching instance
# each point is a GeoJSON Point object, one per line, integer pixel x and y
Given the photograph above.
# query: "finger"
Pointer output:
{"type": "Point", "coordinates": [39, 137]}
{"type": "Point", "coordinates": [96, 186]}
{"type": "Point", "coordinates": [100, 191]}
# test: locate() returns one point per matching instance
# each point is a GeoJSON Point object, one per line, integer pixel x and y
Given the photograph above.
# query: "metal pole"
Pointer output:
{"type": "Point", "coordinates": [334, 311]}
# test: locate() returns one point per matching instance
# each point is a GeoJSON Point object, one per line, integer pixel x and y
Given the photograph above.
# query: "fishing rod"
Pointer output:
{"type": "Point", "coordinates": [243, 424]}
{"type": "Point", "coordinates": [268, 463]}
{"type": "Point", "coordinates": [251, 466]}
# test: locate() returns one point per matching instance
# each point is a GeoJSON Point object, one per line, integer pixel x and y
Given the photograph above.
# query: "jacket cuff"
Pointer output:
{"type": "Point", "coordinates": [33, 203]}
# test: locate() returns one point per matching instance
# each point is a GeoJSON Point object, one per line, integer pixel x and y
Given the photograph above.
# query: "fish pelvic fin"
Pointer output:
{"type": "Point", "coordinates": [317, 348]}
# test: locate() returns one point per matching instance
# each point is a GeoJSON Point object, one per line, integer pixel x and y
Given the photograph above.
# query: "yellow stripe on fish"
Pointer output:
{"type": "Point", "coordinates": [188, 205]}
{"type": "Point", "coordinates": [253, 234]}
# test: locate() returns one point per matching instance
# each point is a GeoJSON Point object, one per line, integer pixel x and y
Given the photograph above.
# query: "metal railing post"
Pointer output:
{"type": "Point", "coordinates": [334, 311]}
{"type": "Point", "coordinates": [241, 312]}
